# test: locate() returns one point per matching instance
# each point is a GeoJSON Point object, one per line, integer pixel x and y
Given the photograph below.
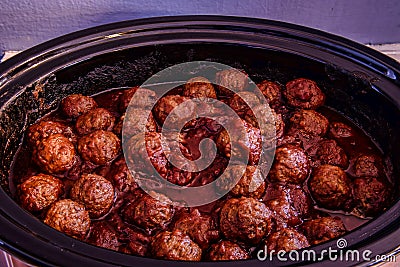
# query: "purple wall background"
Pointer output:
{"type": "Point", "coordinates": [25, 23]}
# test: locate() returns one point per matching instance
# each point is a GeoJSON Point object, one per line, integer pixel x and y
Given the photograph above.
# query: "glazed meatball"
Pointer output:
{"type": "Point", "coordinates": [231, 79]}
{"type": "Point", "coordinates": [283, 213]}
{"type": "Point", "coordinates": [309, 123]}
{"type": "Point", "coordinates": [54, 154]}
{"type": "Point", "coordinates": [146, 98]}
{"type": "Point", "coordinates": [330, 187]}
{"type": "Point", "coordinates": [323, 229]}
{"type": "Point", "coordinates": [138, 241]}
{"type": "Point", "coordinates": [227, 251]}
{"type": "Point", "coordinates": [367, 165]}
{"type": "Point", "coordinates": [199, 87]}
{"type": "Point", "coordinates": [371, 196]}
{"type": "Point", "coordinates": [103, 235]}
{"type": "Point", "coordinates": [339, 130]}
{"type": "Point", "coordinates": [168, 103]}
{"type": "Point", "coordinates": [243, 102]}
{"type": "Point", "coordinates": [304, 93]}
{"type": "Point", "coordinates": [286, 239]}
{"type": "Point", "coordinates": [245, 219]}
{"type": "Point", "coordinates": [328, 152]}
{"type": "Point", "coordinates": [200, 228]}
{"type": "Point", "coordinates": [291, 165]}
{"type": "Point", "coordinates": [250, 184]}
{"type": "Point", "coordinates": [174, 246]}
{"type": "Point", "coordinates": [244, 144]}
{"type": "Point", "coordinates": [43, 129]}
{"type": "Point", "coordinates": [121, 176]}
{"type": "Point", "coordinates": [135, 121]}
{"type": "Point", "coordinates": [39, 191]}
{"type": "Point", "coordinates": [95, 192]}
{"type": "Point", "coordinates": [150, 213]}
{"type": "Point", "coordinates": [99, 147]}
{"type": "Point", "coordinates": [75, 105]}
{"type": "Point", "coordinates": [271, 92]}
{"type": "Point", "coordinates": [95, 119]}
{"type": "Point", "coordinates": [69, 217]}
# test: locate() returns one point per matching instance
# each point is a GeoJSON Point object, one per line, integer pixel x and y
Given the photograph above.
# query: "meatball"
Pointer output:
{"type": "Point", "coordinates": [200, 228]}
{"type": "Point", "coordinates": [75, 105]}
{"type": "Point", "coordinates": [95, 119]}
{"type": "Point", "coordinates": [250, 184]}
{"type": "Point", "coordinates": [309, 123]}
{"type": "Point", "coordinates": [69, 217]}
{"type": "Point", "coordinates": [121, 176]}
{"type": "Point", "coordinates": [168, 103]}
{"type": "Point", "coordinates": [323, 229]}
{"type": "Point", "coordinates": [231, 79]}
{"type": "Point", "coordinates": [339, 130]}
{"type": "Point", "coordinates": [39, 191]}
{"type": "Point", "coordinates": [244, 144]}
{"type": "Point", "coordinates": [330, 187]}
{"type": "Point", "coordinates": [95, 192]}
{"type": "Point", "coordinates": [43, 129]}
{"type": "Point", "coordinates": [226, 251]}
{"type": "Point", "coordinates": [283, 213]}
{"type": "Point", "coordinates": [199, 87]}
{"type": "Point", "coordinates": [138, 241]}
{"type": "Point", "coordinates": [291, 165]}
{"type": "Point", "coordinates": [371, 196]}
{"type": "Point", "coordinates": [328, 152]}
{"type": "Point", "coordinates": [135, 121]}
{"type": "Point", "coordinates": [304, 93]}
{"type": "Point", "coordinates": [271, 92]}
{"type": "Point", "coordinates": [55, 154]}
{"type": "Point", "coordinates": [103, 235]}
{"type": "Point", "coordinates": [367, 165]}
{"type": "Point", "coordinates": [174, 246]}
{"type": "Point", "coordinates": [149, 213]}
{"type": "Point", "coordinates": [245, 219]}
{"type": "Point", "coordinates": [242, 102]}
{"type": "Point", "coordinates": [99, 147]}
{"type": "Point", "coordinates": [146, 98]}
{"type": "Point", "coordinates": [286, 239]}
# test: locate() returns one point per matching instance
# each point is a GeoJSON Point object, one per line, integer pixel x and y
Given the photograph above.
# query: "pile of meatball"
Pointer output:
{"type": "Point", "coordinates": [82, 187]}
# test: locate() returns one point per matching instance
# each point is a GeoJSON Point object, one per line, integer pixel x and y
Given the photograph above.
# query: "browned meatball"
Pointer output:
{"type": "Point", "coordinates": [75, 105]}
{"type": "Point", "coordinates": [367, 165]}
{"type": "Point", "coordinates": [199, 87]}
{"type": "Point", "coordinates": [69, 217]}
{"type": "Point", "coordinates": [166, 104]}
{"type": "Point", "coordinates": [54, 154]}
{"type": "Point", "coordinates": [138, 241]}
{"type": "Point", "coordinates": [304, 93]}
{"type": "Point", "coordinates": [200, 228]}
{"type": "Point", "coordinates": [271, 91]}
{"type": "Point", "coordinates": [95, 119]}
{"type": "Point", "coordinates": [134, 122]}
{"type": "Point", "coordinates": [371, 196]}
{"type": "Point", "coordinates": [95, 192]}
{"type": "Point", "coordinates": [244, 144]}
{"type": "Point", "coordinates": [250, 184]}
{"type": "Point", "coordinates": [245, 219]}
{"type": "Point", "coordinates": [328, 152]}
{"type": "Point", "coordinates": [243, 102]}
{"type": "Point", "coordinates": [330, 187]}
{"type": "Point", "coordinates": [309, 123]}
{"type": "Point", "coordinates": [103, 235]}
{"type": "Point", "coordinates": [339, 130]}
{"type": "Point", "coordinates": [149, 213]}
{"type": "Point", "coordinates": [291, 165]}
{"type": "Point", "coordinates": [146, 98]}
{"type": "Point", "coordinates": [39, 191]}
{"type": "Point", "coordinates": [323, 229]}
{"type": "Point", "coordinates": [174, 246]}
{"type": "Point", "coordinates": [121, 176]}
{"type": "Point", "coordinates": [99, 147]}
{"type": "Point", "coordinates": [43, 129]}
{"type": "Point", "coordinates": [286, 239]}
{"type": "Point", "coordinates": [227, 251]}
{"type": "Point", "coordinates": [231, 79]}
{"type": "Point", "coordinates": [283, 213]}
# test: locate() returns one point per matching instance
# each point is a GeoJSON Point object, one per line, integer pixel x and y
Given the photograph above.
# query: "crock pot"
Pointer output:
{"type": "Point", "coordinates": [359, 82]}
